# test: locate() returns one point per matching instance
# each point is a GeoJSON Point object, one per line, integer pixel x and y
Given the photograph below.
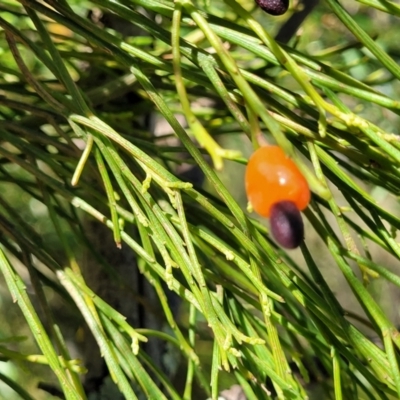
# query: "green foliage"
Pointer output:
{"type": "Point", "coordinates": [75, 147]}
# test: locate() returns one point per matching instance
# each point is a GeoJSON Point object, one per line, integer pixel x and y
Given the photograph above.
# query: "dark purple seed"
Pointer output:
{"type": "Point", "coordinates": [274, 7]}
{"type": "Point", "coordinates": [286, 224]}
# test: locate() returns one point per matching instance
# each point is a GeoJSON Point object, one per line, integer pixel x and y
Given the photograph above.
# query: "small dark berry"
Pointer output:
{"type": "Point", "coordinates": [286, 224]}
{"type": "Point", "coordinates": [274, 7]}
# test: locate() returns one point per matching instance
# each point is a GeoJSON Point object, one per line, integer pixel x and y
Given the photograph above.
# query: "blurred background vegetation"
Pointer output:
{"type": "Point", "coordinates": [74, 73]}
